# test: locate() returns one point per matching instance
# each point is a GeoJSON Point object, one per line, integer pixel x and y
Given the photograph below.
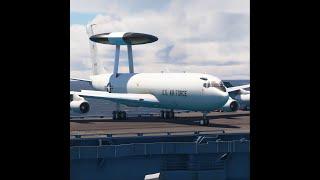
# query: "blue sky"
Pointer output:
{"type": "Point", "coordinates": [81, 18]}
{"type": "Point", "coordinates": [132, 6]}
{"type": "Point", "coordinates": [206, 36]}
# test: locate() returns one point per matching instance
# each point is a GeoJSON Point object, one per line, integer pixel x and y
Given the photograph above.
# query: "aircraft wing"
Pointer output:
{"type": "Point", "coordinates": [236, 88]}
{"type": "Point", "coordinates": [122, 98]}
{"type": "Point", "coordinates": [80, 79]}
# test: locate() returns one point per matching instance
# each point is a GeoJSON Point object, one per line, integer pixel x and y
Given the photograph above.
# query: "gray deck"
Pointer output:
{"type": "Point", "coordinates": [229, 122]}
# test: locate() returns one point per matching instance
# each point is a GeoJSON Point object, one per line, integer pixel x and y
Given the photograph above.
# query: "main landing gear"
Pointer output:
{"type": "Point", "coordinates": [119, 115]}
{"type": "Point", "coordinates": [164, 114]}
{"type": "Point", "coordinates": [205, 120]}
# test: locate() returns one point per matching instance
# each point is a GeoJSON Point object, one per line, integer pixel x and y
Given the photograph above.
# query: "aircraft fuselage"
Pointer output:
{"type": "Point", "coordinates": [187, 91]}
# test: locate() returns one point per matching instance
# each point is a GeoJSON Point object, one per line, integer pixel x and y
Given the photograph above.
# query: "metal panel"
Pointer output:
{"type": "Point", "coordinates": [88, 152]}
{"type": "Point", "coordinates": [106, 152]}
{"type": "Point", "coordinates": [74, 153]}
{"type": "Point", "coordinates": [186, 148]}
{"type": "Point", "coordinates": [224, 157]}
{"type": "Point", "coordinates": [210, 147]}
{"type": "Point", "coordinates": [155, 148]}
{"type": "Point", "coordinates": [242, 146]}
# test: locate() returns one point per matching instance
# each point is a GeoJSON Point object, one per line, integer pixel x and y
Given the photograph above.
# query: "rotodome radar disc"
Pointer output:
{"type": "Point", "coordinates": [123, 38]}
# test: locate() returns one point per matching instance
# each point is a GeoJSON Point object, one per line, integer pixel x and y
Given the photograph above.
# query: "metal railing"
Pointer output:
{"type": "Point", "coordinates": [166, 133]}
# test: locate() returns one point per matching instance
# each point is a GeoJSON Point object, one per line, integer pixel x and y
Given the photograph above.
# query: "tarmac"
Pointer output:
{"type": "Point", "coordinates": [228, 122]}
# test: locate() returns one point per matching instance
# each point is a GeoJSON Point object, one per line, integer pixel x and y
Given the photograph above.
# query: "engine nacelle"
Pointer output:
{"type": "Point", "coordinates": [231, 105]}
{"type": "Point", "coordinates": [99, 82]}
{"type": "Point", "coordinates": [79, 104]}
{"type": "Point", "coordinates": [244, 100]}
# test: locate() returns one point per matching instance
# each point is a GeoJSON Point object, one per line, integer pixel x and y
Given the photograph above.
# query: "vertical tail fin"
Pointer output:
{"type": "Point", "coordinates": [97, 67]}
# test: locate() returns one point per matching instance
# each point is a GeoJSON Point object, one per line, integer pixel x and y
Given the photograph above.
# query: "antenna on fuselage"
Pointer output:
{"type": "Point", "coordinates": [123, 38]}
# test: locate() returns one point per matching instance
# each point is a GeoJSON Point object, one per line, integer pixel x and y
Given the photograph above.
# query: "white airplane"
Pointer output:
{"type": "Point", "coordinates": [239, 98]}
{"type": "Point", "coordinates": [168, 91]}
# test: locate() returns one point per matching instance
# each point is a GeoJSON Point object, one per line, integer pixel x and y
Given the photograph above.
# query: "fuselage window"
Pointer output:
{"type": "Point", "coordinates": [206, 85]}
{"type": "Point", "coordinates": [219, 86]}
{"type": "Point", "coordinates": [214, 84]}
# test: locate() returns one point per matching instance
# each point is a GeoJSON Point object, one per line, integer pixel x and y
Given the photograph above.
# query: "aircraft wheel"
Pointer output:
{"type": "Point", "coordinates": [124, 115]}
{"type": "Point", "coordinates": [162, 114]}
{"type": "Point", "coordinates": [171, 114]}
{"type": "Point", "coordinates": [119, 115]}
{"type": "Point", "coordinates": [167, 115]}
{"type": "Point", "coordinates": [201, 122]}
{"type": "Point", "coordinates": [204, 122]}
{"type": "Point", "coordinates": [114, 115]}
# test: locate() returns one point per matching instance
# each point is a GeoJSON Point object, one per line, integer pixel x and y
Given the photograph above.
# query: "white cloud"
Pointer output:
{"type": "Point", "coordinates": [202, 36]}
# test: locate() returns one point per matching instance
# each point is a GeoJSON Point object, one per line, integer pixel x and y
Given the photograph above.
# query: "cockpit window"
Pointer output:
{"type": "Point", "coordinates": [221, 86]}
{"type": "Point", "coordinates": [216, 85]}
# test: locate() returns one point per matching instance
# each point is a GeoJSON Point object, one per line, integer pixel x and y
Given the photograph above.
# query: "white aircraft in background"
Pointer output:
{"type": "Point", "coordinates": [169, 91]}
{"type": "Point", "coordinates": [239, 98]}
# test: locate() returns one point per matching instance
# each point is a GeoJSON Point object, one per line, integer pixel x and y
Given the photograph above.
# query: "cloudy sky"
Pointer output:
{"type": "Point", "coordinates": [204, 36]}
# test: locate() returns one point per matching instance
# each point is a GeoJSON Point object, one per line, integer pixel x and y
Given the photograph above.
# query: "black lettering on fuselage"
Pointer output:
{"type": "Point", "coordinates": [173, 92]}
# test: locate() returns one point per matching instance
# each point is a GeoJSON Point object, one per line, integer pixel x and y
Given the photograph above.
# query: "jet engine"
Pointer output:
{"type": "Point", "coordinates": [244, 100]}
{"type": "Point", "coordinates": [79, 104]}
{"type": "Point", "coordinates": [231, 105]}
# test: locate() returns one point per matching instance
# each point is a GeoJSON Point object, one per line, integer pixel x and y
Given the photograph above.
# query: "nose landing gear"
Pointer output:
{"type": "Point", "coordinates": [205, 120]}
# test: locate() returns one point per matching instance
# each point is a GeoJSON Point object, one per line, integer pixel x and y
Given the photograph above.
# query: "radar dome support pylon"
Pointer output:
{"type": "Point", "coordinates": [117, 57]}
{"type": "Point", "coordinates": [130, 58]}
{"type": "Point", "coordinates": [123, 38]}
{"type": "Point", "coordinates": [116, 60]}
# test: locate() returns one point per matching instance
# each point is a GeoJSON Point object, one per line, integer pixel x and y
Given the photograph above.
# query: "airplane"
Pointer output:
{"type": "Point", "coordinates": [239, 98]}
{"type": "Point", "coordinates": [168, 91]}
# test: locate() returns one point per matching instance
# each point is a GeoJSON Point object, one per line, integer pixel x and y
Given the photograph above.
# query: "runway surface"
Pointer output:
{"type": "Point", "coordinates": [230, 122]}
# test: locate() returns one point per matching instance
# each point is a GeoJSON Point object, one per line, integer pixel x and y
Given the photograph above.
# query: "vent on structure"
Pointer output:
{"type": "Point", "coordinates": [174, 162]}
{"type": "Point", "coordinates": [194, 162]}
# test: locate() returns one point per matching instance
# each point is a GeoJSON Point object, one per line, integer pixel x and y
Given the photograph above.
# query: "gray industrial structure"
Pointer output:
{"type": "Point", "coordinates": [186, 155]}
